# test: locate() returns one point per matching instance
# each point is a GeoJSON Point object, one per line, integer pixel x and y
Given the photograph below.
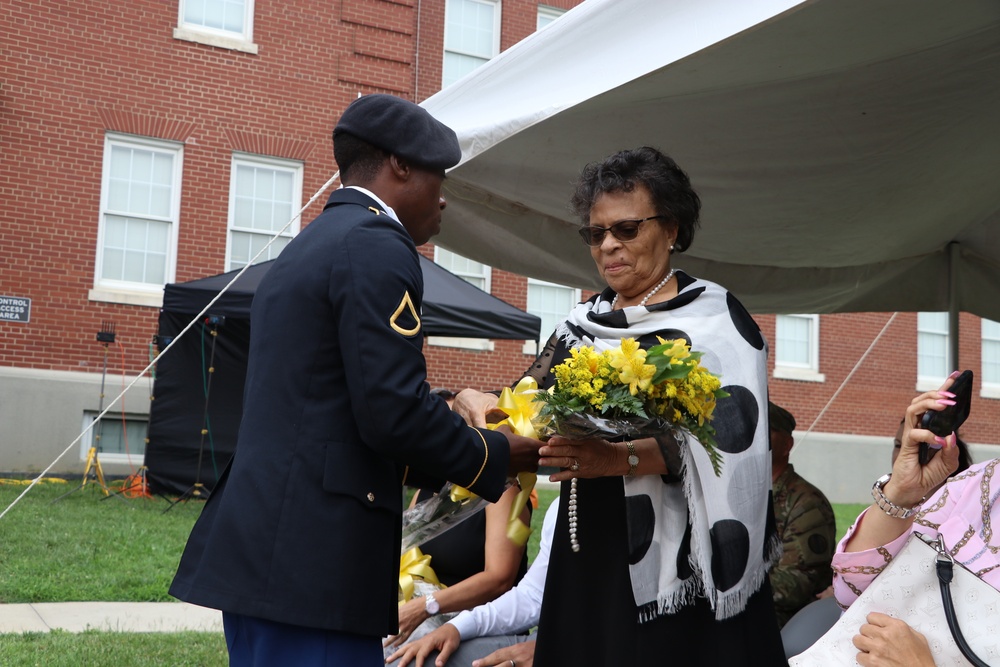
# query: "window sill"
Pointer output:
{"type": "Point", "coordinates": [800, 374]}
{"type": "Point", "coordinates": [221, 41]}
{"type": "Point", "coordinates": [128, 298]}
{"type": "Point", "coordinates": [989, 391]}
{"type": "Point", "coordinates": [929, 384]}
{"type": "Point", "coordinates": [477, 344]}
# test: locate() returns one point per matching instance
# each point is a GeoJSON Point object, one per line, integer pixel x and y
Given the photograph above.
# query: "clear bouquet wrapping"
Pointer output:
{"type": "Point", "coordinates": [427, 519]}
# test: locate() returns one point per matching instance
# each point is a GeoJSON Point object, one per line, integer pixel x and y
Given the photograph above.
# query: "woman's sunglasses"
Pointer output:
{"type": "Point", "coordinates": [623, 230]}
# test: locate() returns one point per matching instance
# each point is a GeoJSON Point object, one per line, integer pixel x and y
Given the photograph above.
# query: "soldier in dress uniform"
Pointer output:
{"type": "Point", "coordinates": [299, 542]}
{"type": "Point", "coordinates": [806, 525]}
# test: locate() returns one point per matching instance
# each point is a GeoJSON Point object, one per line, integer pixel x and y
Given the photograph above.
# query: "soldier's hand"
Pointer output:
{"type": "Point", "coordinates": [523, 452]}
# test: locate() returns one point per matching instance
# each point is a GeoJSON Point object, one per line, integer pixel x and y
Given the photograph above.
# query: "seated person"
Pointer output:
{"type": "Point", "coordinates": [805, 523]}
{"type": "Point", "coordinates": [475, 561]}
{"type": "Point", "coordinates": [957, 509]}
{"type": "Point", "coordinates": [496, 630]}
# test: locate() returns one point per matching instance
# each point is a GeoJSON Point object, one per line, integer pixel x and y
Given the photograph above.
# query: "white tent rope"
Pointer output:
{"type": "Point", "coordinates": [168, 347]}
{"type": "Point", "coordinates": [847, 379]}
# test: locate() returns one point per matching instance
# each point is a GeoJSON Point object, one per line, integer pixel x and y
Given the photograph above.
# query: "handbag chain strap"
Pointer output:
{"type": "Point", "coordinates": [945, 574]}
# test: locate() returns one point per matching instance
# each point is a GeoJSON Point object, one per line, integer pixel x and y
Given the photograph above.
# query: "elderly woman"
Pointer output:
{"type": "Point", "coordinates": [958, 509]}
{"type": "Point", "coordinates": [668, 562]}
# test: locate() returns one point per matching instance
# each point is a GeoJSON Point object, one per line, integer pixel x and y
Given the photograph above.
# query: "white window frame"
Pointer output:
{"type": "Point", "coordinates": [90, 437]}
{"type": "Point", "coordinates": [988, 389]}
{"type": "Point", "coordinates": [478, 344]}
{"type": "Point", "coordinates": [224, 39]}
{"type": "Point", "coordinates": [294, 167]}
{"type": "Point", "coordinates": [791, 370]}
{"type": "Point", "coordinates": [548, 15]}
{"type": "Point", "coordinates": [118, 291]}
{"type": "Point", "coordinates": [495, 51]}
{"type": "Point", "coordinates": [533, 347]}
{"type": "Point", "coordinates": [927, 382]}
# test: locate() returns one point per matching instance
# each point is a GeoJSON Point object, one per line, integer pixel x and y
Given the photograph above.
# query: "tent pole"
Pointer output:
{"type": "Point", "coordinates": [953, 309]}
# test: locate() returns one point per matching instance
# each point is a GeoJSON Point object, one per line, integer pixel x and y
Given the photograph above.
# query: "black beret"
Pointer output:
{"type": "Point", "coordinates": [401, 128]}
{"type": "Point", "coordinates": [780, 418]}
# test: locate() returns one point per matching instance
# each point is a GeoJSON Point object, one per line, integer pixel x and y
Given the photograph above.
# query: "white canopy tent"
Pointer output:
{"type": "Point", "coordinates": [847, 151]}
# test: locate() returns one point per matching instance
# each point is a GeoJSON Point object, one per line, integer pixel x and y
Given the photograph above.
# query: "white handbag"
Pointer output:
{"type": "Point", "coordinates": [959, 618]}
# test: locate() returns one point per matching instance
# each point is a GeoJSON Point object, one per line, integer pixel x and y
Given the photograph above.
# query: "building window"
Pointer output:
{"type": "Point", "coordinates": [547, 15]}
{"type": "Point", "coordinates": [471, 37]}
{"type": "Point", "coordinates": [264, 194]}
{"type": "Point", "coordinates": [472, 272]}
{"type": "Point", "coordinates": [796, 347]}
{"type": "Point", "coordinates": [552, 303]}
{"type": "Point", "coordinates": [118, 439]}
{"type": "Point", "coordinates": [991, 358]}
{"type": "Point", "coordinates": [933, 363]}
{"type": "Point", "coordinates": [222, 23]}
{"type": "Point", "coordinates": [140, 201]}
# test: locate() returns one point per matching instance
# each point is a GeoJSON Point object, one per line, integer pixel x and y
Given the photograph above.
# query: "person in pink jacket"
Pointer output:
{"type": "Point", "coordinates": [960, 510]}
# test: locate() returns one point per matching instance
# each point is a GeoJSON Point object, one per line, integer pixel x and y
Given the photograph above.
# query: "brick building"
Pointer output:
{"type": "Point", "coordinates": [160, 141]}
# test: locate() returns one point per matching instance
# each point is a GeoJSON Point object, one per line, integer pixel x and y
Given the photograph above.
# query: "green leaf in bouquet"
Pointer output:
{"type": "Point", "coordinates": [621, 402]}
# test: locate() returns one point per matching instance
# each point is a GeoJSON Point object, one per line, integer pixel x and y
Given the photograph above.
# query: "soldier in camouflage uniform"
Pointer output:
{"type": "Point", "coordinates": [805, 523]}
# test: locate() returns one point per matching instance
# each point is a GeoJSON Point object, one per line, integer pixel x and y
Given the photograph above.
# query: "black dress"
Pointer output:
{"type": "Point", "coordinates": [589, 614]}
{"type": "Point", "coordinates": [460, 552]}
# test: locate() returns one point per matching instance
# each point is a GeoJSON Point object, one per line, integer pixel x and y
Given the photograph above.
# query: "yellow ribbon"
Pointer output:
{"type": "Point", "coordinates": [521, 409]}
{"type": "Point", "coordinates": [414, 563]}
{"type": "Point", "coordinates": [460, 494]}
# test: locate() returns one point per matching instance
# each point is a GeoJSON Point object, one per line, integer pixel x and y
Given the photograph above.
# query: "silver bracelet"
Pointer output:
{"type": "Point", "coordinates": [889, 507]}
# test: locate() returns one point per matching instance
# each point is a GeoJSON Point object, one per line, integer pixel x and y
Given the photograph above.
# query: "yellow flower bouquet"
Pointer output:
{"type": "Point", "coordinates": [631, 392]}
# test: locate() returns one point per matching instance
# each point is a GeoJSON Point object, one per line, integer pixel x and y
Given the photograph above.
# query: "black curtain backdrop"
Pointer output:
{"type": "Point", "coordinates": [184, 391]}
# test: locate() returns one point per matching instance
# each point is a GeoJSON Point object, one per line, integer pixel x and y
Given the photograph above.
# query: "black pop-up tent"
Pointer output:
{"type": "Point", "coordinates": [188, 398]}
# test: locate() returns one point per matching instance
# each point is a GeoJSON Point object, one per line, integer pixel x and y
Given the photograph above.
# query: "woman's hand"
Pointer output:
{"type": "Point", "coordinates": [518, 655]}
{"type": "Point", "coordinates": [444, 640]}
{"type": "Point", "coordinates": [911, 481]}
{"type": "Point", "coordinates": [473, 406]}
{"type": "Point", "coordinates": [585, 459]}
{"type": "Point", "coordinates": [411, 614]}
{"type": "Point", "coordinates": [594, 457]}
{"type": "Point", "coordinates": [885, 641]}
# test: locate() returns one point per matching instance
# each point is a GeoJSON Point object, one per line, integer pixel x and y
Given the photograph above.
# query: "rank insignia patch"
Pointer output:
{"type": "Point", "coordinates": [405, 320]}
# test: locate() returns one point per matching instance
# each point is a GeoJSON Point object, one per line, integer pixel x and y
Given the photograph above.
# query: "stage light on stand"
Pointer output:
{"type": "Point", "coordinates": [92, 471]}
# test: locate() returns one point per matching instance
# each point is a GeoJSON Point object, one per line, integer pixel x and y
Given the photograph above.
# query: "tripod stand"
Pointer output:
{"type": "Point", "coordinates": [92, 472]}
{"type": "Point", "coordinates": [199, 490]}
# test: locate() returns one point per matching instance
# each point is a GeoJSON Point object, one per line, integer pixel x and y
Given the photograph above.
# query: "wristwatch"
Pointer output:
{"type": "Point", "coordinates": [889, 507]}
{"type": "Point", "coordinates": [431, 605]}
{"type": "Point", "coordinates": [633, 459]}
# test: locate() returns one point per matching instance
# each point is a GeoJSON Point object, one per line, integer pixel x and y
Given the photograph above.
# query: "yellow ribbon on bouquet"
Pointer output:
{"type": "Point", "coordinates": [415, 564]}
{"type": "Point", "coordinates": [521, 409]}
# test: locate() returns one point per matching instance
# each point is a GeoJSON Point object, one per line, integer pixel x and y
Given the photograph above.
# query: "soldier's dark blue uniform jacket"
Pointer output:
{"type": "Point", "coordinates": [304, 525]}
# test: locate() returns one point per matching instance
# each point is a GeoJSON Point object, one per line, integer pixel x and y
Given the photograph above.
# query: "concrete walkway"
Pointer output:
{"type": "Point", "coordinates": [109, 616]}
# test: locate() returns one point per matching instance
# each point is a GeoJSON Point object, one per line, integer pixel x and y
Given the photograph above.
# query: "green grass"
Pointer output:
{"type": "Point", "coordinates": [89, 547]}
{"type": "Point", "coordinates": [86, 548]}
{"type": "Point", "coordinates": [65, 649]}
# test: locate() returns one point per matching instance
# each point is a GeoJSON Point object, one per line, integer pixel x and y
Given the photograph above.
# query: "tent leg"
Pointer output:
{"type": "Point", "coordinates": [953, 309]}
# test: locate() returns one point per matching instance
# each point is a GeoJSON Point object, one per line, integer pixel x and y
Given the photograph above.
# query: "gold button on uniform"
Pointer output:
{"type": "Point", "coordinates": [371, 497]}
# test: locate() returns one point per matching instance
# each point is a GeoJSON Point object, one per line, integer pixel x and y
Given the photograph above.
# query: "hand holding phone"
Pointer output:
{"type": "Point", "coordinates": [945, 422]}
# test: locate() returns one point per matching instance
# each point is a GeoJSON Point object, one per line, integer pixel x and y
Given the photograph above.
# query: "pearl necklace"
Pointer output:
{"type": "Point", "coordinates": [572, 509]}
{"type": "Point", "coordinates": [653, 291]}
